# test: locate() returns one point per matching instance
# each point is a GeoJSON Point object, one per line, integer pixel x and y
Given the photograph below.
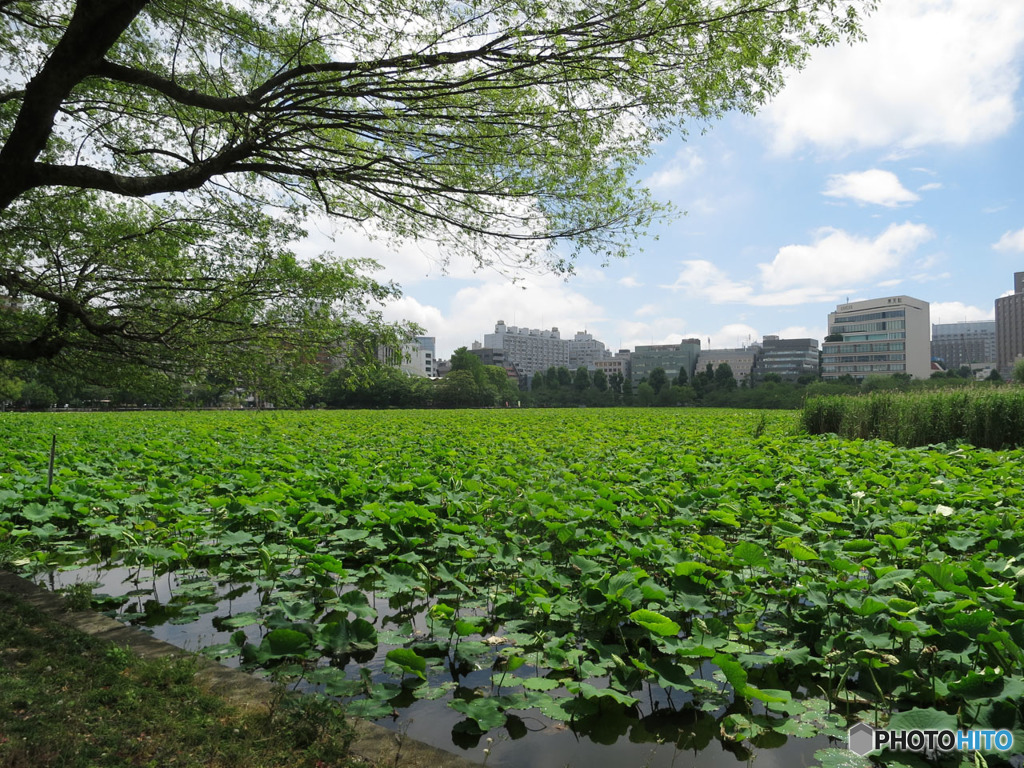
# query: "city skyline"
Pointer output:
{"type": "Point", "coordinates": [887, 167]}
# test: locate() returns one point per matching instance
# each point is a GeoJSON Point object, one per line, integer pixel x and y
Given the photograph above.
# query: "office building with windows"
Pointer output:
{"type": "Point", "coordinates": [878, 336]}
{"type": "Point", "coordinates": [789, 359]}
{"type": "Point", "coordinates": [959, 344]}
{"type": "Point", "coordinates": [668, 357]}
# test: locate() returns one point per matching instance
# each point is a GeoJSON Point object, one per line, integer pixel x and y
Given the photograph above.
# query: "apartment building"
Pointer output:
{"type": "Point", "coordinates": [529, 349]}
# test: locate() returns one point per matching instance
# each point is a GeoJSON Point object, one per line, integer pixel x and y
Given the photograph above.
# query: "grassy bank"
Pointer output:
{"type": "Point", "coordinates": [986, 418]}
{"type": "Point", "coordinates": [70, 700]}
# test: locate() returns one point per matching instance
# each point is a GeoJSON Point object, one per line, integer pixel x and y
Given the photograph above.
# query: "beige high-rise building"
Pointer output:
{"type": "Point", "coordinates": [529, 349]}
{"type": "Point", "coordinates": [878, 336]}
{"type": "Point", "coordinates": [587, 351]}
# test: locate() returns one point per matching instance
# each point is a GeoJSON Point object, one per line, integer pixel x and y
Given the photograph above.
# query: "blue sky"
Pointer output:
{"type": "Point", "coordinates": [893, 166]}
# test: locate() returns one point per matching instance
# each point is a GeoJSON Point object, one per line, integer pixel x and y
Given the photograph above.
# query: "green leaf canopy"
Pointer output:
{"type": "Point", "coordinates": [500, 128]}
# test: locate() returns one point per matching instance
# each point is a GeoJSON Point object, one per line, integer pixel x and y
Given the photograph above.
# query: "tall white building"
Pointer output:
{"type": "Point", "coordinates": [585, 350]}
{"type": "Point", "coordinates": [878, 336]}
{"type": "Point", "coordinates": [529, 349]}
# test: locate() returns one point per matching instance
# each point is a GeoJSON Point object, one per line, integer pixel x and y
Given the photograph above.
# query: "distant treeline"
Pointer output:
{"type": "Point", "coordinates": [470, 384]}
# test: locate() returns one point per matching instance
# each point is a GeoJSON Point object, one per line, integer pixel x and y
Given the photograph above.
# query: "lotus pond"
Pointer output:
{"type": "Point", "coordinates": [613, 587]}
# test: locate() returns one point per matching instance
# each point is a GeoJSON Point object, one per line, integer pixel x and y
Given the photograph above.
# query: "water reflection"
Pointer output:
{"type": "Point", "coordinates": [190, 610]}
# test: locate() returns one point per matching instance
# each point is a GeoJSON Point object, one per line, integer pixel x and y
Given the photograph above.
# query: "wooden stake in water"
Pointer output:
{"type": "Point", "coordinates": [53, 452]}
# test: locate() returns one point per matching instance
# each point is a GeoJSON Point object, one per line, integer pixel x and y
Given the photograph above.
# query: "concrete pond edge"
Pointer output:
{"type": "Point", "coordinates": [374, 743]}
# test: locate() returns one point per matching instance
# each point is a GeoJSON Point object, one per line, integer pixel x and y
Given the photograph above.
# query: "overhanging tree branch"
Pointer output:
{"type": "Point", "coordinates": [191, 177]}
{"type": "Point", "coordinates": [93, 28]}
{"type": "Point", "coordinates": [489, 125]}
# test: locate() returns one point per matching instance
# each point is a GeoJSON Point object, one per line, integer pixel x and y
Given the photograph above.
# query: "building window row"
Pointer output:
{"type": "Point", "coordinates": [861, 369]}
{"type": "Point", "coordinates": [867, 337]}
{"type": "Point", "coordinates": [887, 325]}
{"type": "Point", "coordinates": [871, 316]}
{"type": "Point", "coordinates": [862, 358]}
{"type": "Point", "coordinates": [849, 348]}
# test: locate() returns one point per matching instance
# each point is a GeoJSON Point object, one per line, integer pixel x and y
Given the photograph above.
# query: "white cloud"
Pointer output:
{"type": "Point", "coordinates": [657, 330]}
{"type": "Point", "coordinates": [685, 165]}
{"type": "Point", "coordinates": [647, 310]}
{"type": "Point", "coordinates": [430, 318]}
{"type": "Point", "coordinates": [672, 330]}
{"type": "Point", "coordinates": [837, 258]}
{"type": "Point", "coordinates": [702, 278]}
{"type": "Point", "coordinates": [930, 72]}
{"type": "Point", "coordinates": [958, 312]}
{"type": "Point", "coordinates": [590, 274]}
{"type": "Point", "coordinates": [874, 186]}
{"type": "Point", "coordinates": [407, 263]}
{"type": "Point", "coordinates": [802, 332]}
{"type": "Point", "coordinates": [834, 264]}
{"type": "Point", "coordinates": [630, 282]}
{"type": "Point", "coordinates": [731, 336]}
{"type": "Point", "coordinates": [1011, 242]}
{"type": "Point", "coordinates": [930, 187]}
{"type": "Point", "coordinates": [930, 262]}
{"type": "Point", "coordinates": [930, 277]}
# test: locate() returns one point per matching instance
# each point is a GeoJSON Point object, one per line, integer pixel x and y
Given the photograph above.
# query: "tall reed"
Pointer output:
{"type": "Point", "coordinates": [987, 418]}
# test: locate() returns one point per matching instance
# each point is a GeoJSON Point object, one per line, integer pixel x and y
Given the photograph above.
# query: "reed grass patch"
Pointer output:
{"type": "Point", "coordinates": [986, 418]}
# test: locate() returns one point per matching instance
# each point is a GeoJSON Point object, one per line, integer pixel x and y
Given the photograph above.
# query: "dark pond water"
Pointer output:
{"type": "Point", "coordinates": [655, 734]}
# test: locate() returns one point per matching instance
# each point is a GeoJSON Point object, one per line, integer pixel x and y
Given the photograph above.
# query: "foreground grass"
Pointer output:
{"type": "Point", "coordinates": [69, 700]}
